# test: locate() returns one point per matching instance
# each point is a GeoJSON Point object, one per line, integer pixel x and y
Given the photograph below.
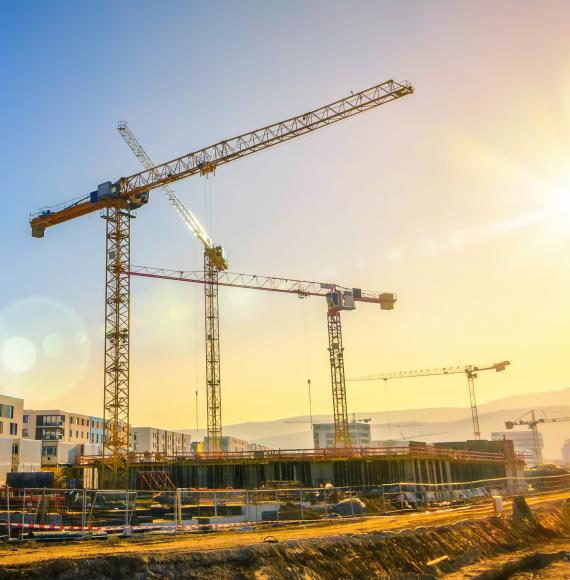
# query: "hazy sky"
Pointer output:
{"type": "Point", "coordinates": [457, 197]}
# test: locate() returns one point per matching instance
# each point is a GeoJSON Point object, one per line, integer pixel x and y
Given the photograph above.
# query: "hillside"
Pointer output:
{"type": "Point", "coordinates": [447, 423]}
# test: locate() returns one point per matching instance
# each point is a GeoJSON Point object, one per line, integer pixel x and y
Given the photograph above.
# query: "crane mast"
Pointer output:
{"type": "Point", "coordinates": [338, 298]}
{"type": "Point", "coordinates": [117, 200]}
{"type": "Point", "coordinates": [532, 424]}
{"type": "Point", "coordinates": [214, 262]}
{"type": "Point", "coordinates": [470, 372]}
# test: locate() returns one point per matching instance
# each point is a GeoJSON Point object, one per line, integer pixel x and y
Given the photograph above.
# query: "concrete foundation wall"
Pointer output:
{"type": "Point", "coordinates": [313, 473]}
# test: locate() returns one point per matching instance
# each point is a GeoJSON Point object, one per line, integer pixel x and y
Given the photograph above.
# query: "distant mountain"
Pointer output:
{"type": "Point", "coordinates": [450, 423]}
{"type": "Point", "coordinates": [529, 401]}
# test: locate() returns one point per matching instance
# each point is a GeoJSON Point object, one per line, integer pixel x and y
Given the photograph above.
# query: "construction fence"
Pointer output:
{"type": "Point", "coordinates": [36, 511]}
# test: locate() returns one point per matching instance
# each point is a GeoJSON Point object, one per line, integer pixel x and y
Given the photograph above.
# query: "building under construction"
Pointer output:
{"type": "Point", "coordinates": [344, 464]}
{"type": "Point", "coordinates": [415, 462]}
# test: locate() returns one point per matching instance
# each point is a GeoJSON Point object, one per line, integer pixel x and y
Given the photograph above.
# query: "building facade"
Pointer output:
{"type": "Point", "coordinates": [523, 442]}
{"type": "Point", "coordinates": [96, 430]}
{"type": "Point", "coordinates": [11, 416]}
{"type": "Point", "coordinates": [17, 455]}
{"type": "Point", "coordinates": [234, 445]}
{"type": "Point", "coordinates": [58, 425]}
{"type": "Point", "coordinates": [323, 434]}
{"type": "Point", "coordinates": [145, 439]}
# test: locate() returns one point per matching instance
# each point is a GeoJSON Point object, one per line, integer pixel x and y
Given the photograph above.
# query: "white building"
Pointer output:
{"type": "Point", "coordinates": [16, 454]}
{"type": "Point", "coordinates": [59, 425]}
{"type": "Point", "coordinates": [235, 445]}
{"type": "Point", "coordinates": [11, 414]}
{"type": "Point", "coordinates": [566, 452]}
{"type": "Point", "coordinates": [323, 434]}
{"type": "Point", "coordinates": [523, 442]}
{"type": "Point", "coordinates": [64, 453]}
{"type": "Point", "coordinates": [144, 439]}
{"type": "Point", "coordinates": [19, 455]}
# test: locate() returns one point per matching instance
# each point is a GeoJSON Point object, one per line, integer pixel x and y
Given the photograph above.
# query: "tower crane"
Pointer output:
{"type": "Point", "coordinates": [532, 424]}
{"type": "Point", "coordinates": [214, 262]}
{"type": "Point", "coordinates": [421, 435]}
{"type": "Point", "coordinates": [117, 200]}
{"type": "Point", "coordinates": [338, 298]}
{"type": "Point", "coordinates": [380, 425]}
{"type": "Point", "coordinates": [470, 372]}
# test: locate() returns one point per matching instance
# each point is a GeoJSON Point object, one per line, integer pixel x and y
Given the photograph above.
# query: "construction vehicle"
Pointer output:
{"type": "Point", "coordinates": [338, 299]}
{"type": "Point", "coordinates": [117, 200]}
{"type": "Point", "coordinates": [470, 372]}
{"type": "Point", "coordinates": [532, 424]}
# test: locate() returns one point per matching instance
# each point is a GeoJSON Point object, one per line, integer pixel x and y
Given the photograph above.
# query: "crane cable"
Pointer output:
{"type": "Point", "coordinates": [306, 333]}
{"type": "Point", "coordinates": [195, 314]}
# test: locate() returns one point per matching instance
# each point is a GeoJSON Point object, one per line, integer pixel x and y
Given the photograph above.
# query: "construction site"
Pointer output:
{"type": "Point", "coordinates": [343, 464]}
{"type": "Point", "coordinates": [418, 500]}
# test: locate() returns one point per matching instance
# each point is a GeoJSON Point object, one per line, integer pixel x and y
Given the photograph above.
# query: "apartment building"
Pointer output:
{"type": "Point", "coordinates": [96, 430]}
{"type": "Point", "coordinates": [523, 443]}
{"type": "Point", "coordinates": [17, 455]}
{"type": "Point", "coordinates": [11, 416]}
{"type": "Point", "coordinates": [143, 439]}
{"type": "Point", "coordinates": [58, 425]}
{"type": "Point", "coordinates": [234, 445]}
{"type": "Point", "coordinates": [323, 434]}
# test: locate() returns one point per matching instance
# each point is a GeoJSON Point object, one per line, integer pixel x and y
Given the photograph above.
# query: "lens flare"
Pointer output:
{"type": "Point", "coordinates": [53, 345]}
{"type": "Point", "coordinates": [18, 355]}
{"type": "Point", "coordinates": [41, 357]}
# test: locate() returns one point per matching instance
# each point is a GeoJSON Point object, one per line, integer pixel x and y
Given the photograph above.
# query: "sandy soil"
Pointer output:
{"type": "Point", "coordinates": [546, 561]}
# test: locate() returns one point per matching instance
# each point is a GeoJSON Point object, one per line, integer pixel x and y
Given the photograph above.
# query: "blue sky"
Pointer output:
{"type": "Point", "coordinates": [373, 202]}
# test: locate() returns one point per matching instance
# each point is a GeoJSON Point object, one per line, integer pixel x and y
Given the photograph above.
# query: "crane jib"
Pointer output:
{"type": "Point", "coordinates": [205, 160]}
{"type": "Point", "coordinates": [133, 190]}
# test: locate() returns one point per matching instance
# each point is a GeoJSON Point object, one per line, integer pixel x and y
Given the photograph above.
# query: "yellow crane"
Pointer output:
{"type": "Point", "coordinates": [118, 199]}
{"type": "Point", "coordinates": [470, 371]}
{"type": "Point", "coordinates": [532, 424]}
{"type": "Point", "coordinates": [214, 263]}
{"type": "Point", "coordinates": [338, 299]}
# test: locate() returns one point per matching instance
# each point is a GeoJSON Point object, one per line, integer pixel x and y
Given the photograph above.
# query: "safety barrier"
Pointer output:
{"type": "Point", "coordinates": [118, 511]}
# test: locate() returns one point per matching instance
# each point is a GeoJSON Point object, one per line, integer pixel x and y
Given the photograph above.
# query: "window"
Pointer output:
{"type": "Point", "coordinates": [48, 420]}
{"type": "Point", "coordinates": [13, 428]}
{"type": "Point", "coordinates": [70, 433]}
{"type": "Point", "coordinates": [77, 434]}
{"type": "Point", "coordinates": [1, 427]}
{"type": "Point", "coordinates": [26, 419]}
{"type": "Point", "coordinates": [24, 432]}
{"type": "Point", "coordinates": [15, 449]}
{"type": "Point", "coordinates": [49, 433]}
{"type": "Point", "coordinates": [7, 411]}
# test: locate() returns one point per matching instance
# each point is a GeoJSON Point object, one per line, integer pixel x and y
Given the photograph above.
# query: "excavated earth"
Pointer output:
{"type": "Point", "coordinates": [495, 547]}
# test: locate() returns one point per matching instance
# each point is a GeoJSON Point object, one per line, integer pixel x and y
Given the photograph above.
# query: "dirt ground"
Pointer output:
{"type": "Point", "coordinates": [550, 560]}
{"type": "Point", "coordinates": [30, 554]}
